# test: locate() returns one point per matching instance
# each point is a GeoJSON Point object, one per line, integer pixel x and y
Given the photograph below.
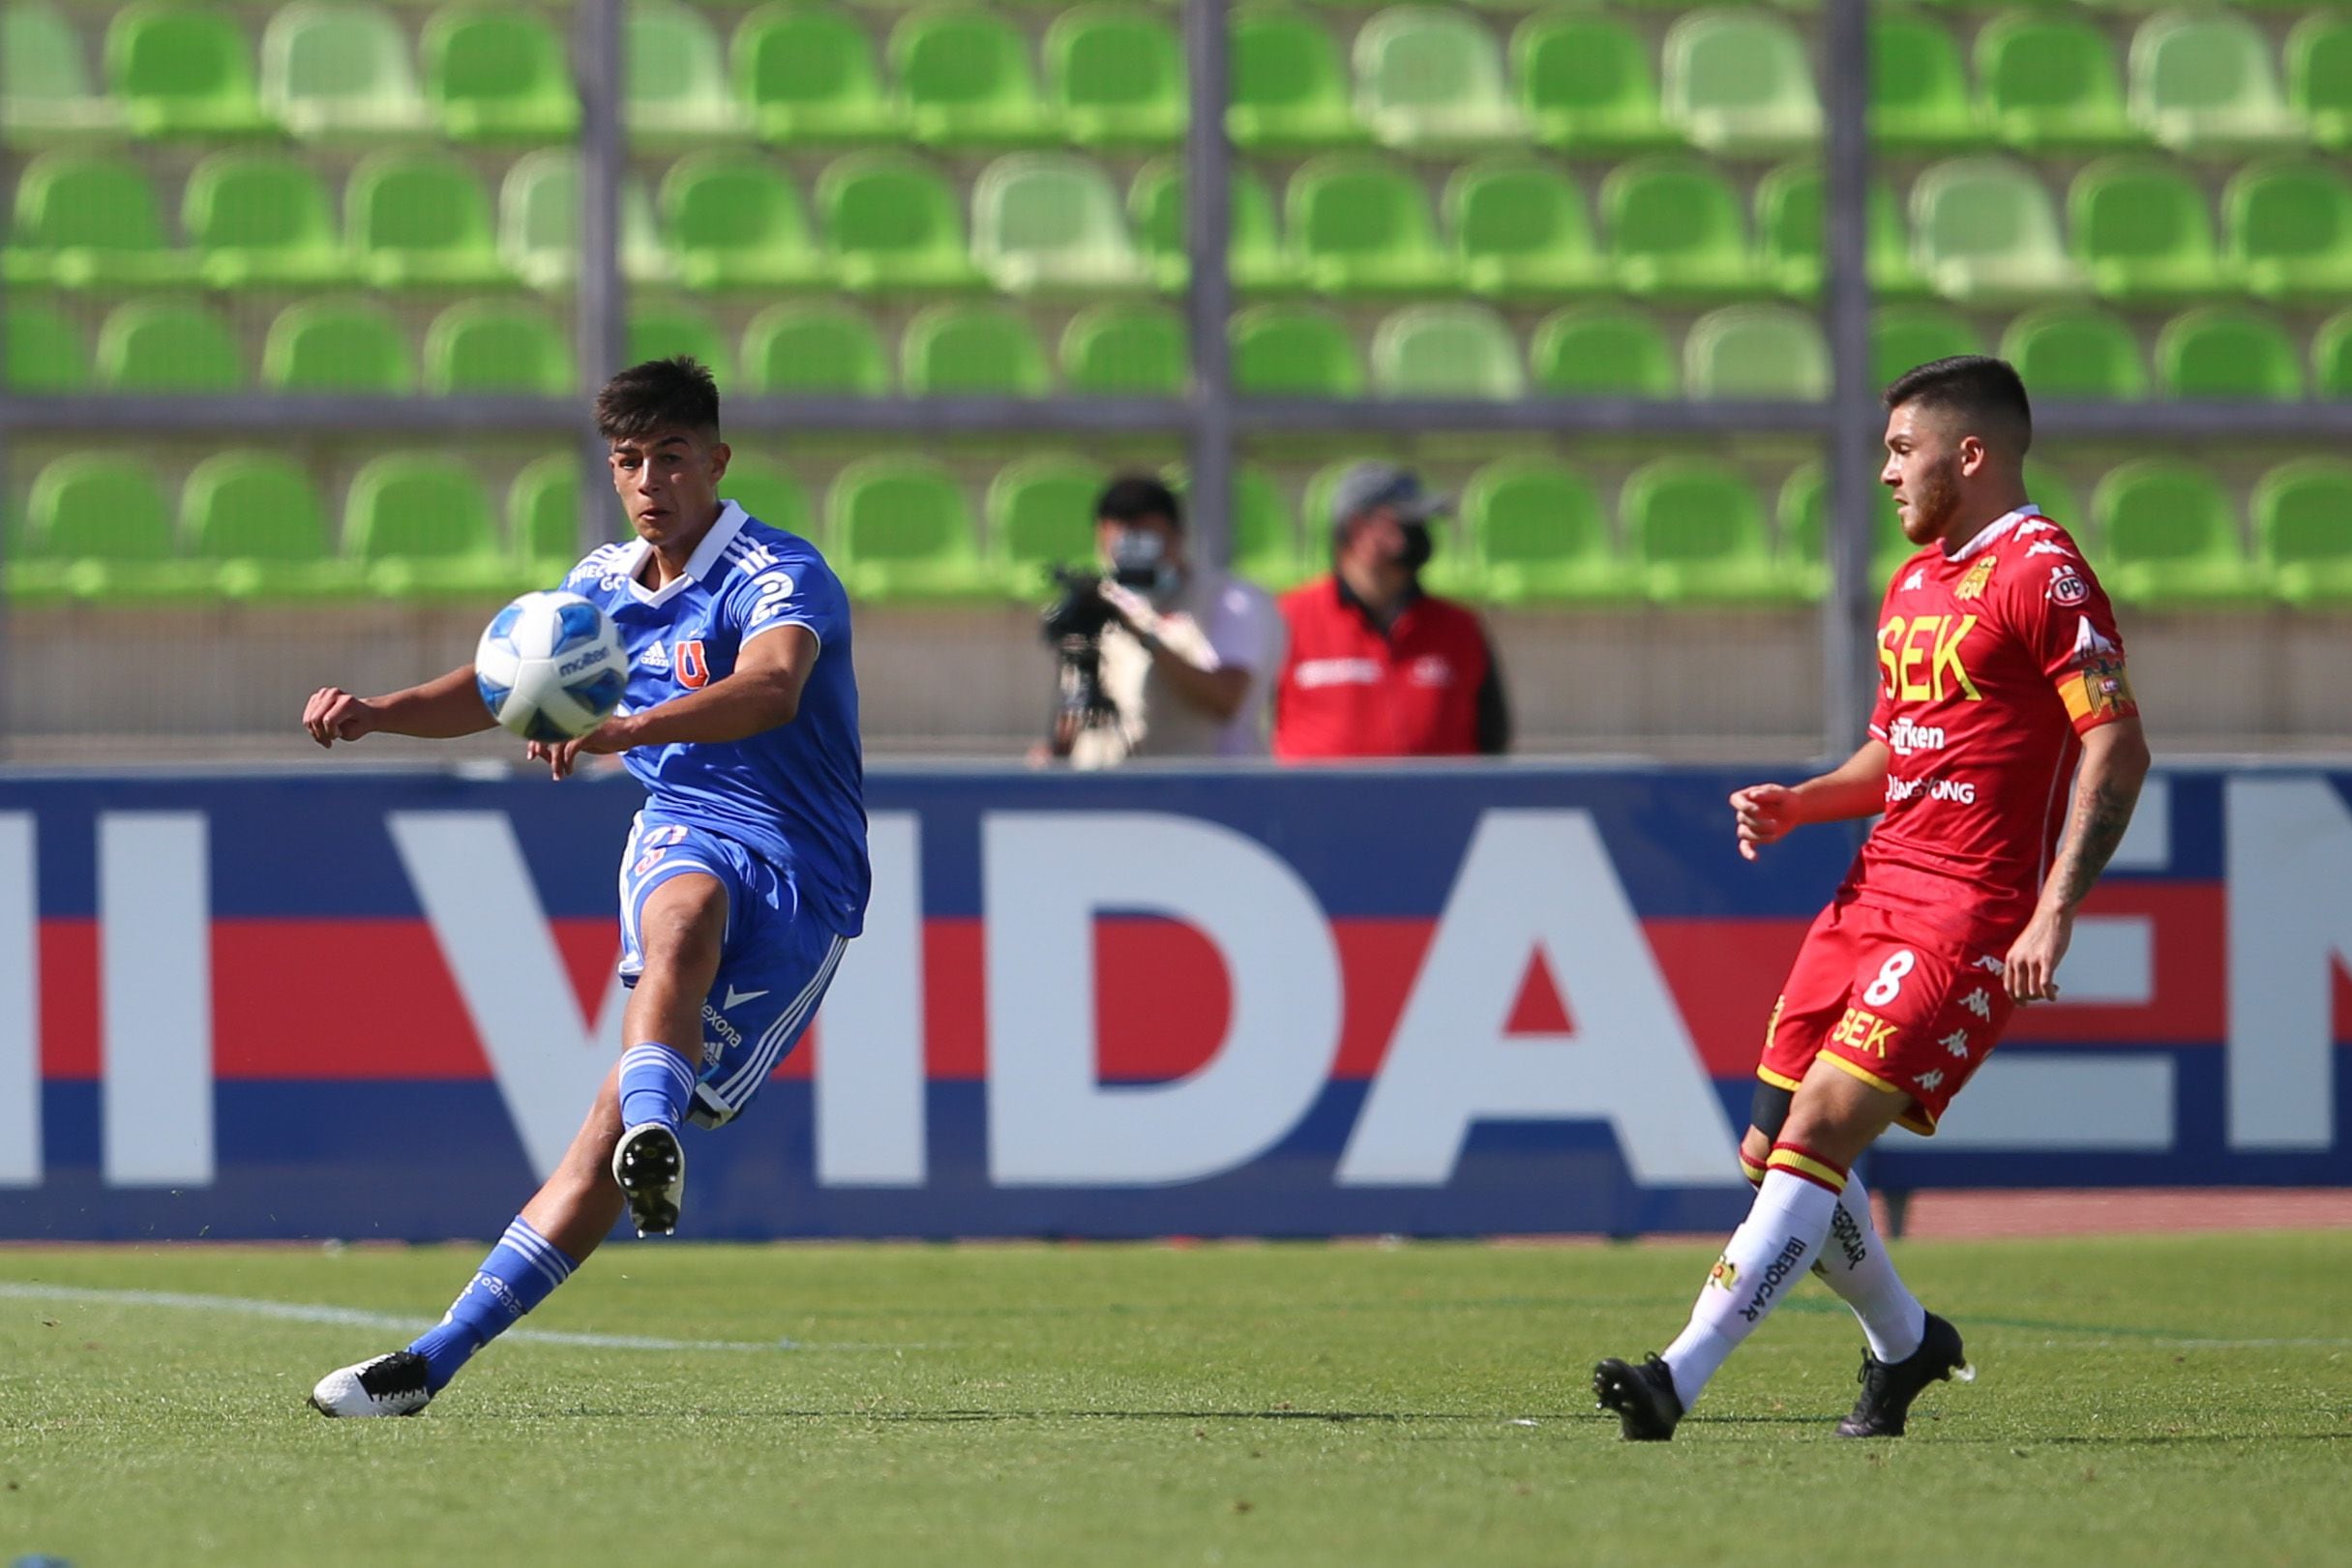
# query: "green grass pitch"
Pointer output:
{"type": "Point", "coordinates": [2176, 1400]}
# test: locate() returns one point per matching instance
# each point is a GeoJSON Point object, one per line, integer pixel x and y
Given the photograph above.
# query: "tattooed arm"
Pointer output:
{"type": "Point", "coordinates": [2106, 786]}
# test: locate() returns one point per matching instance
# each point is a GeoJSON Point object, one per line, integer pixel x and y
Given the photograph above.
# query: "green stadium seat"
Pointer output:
{"type": "Point", "coordinates": [2208, 83]}
{"type": "Point", "coordinates": [1115, 76]}
{"type": "Point", "coordinates": [421, 220]}
{"type": "Point", "coordinates": [814, 348]}
{"type": "Point", "coordinates": [2319, 78]}
{"type": "Point", "coordinates": [2142, 232]}
{"type": "Point", "coordinates": [1446, 351]}
{"type": "Point", "coordinates": [676, 88]}
{"type": "Point", "coordinates": [1904, 337]}
{"type": "Point", "coordinates": [2076, 352]}
{"type": "Point", "coordinates": [1265, 547]}
{"type": "Point", "coordinates": [497, 73]}
{"type": "Point", "coordinates": [2226, 351]}
{"type": "Point", "coordinates": [1255, 256]}
{"type": "Point", "coordinates": [1586, 84]}
{"type": "Point", "coordinates": [769, 493]}
{"type": "Point", "coordinates": [159, 345]}
{"type": "Point", "coordinates": [1049, 222]}
{"type": "Point", "coordinates": [1801, 519]}
{"type": "Point", "coordinates": [1536, 533]}
{"type": "Point", "coordinates": [335, 68]}
{"type": "Point", "coordinates": [1675, 230]}
{"type": "Point", "coordinates": [899, 528]}
{"type": "Point", "coordinates": [973, 351]}
{"type": "Point", "coordinates": [2168, 539]}
{"type": "Point", "coordinates": [543, 518]}
{"type": "Point", "coordinates": [2331, 357]}
{"type": "Point", "coordinates": [1290, 91]}
{"type": "Point", "coordinates": [421, 526]}
{"type": "Point", "coordinates": [97, 526]}
{"type": "Point", "coordinates": [1919, 87]}
{"type": "Point", "coordinates": [1985, 231]}
{"type": "Point", "coordinates": [183, 71]}
{"type": "Point", "coordinates": [2290, 230]}
{"type": "Point", "coordinates": [1362, 225]}
{"type": "Point", "coordinates": [1126, 351]}
{"type": "Point", "coordinates": [660, 329]}
{"type": "Point", "coordinates": [256, 516]}
{"type": "Point", "coordinates": [337, 345]}
{"type": "Point", "coordinates": [1792, 235]}
{"type": "Point", "coordinates": [1762, 352]}
{"type": "Point", "coordinates": [895, 226]}
{"type": "Point", "coordinates": [810, 74]}
{"type": "Point", "coordinates": [2050, 84]}
{"type": "Point", "coordinates": [261, 221]}
{"type": "Point", "coordinates": [1520, 230]}
{"type": "Point", "coordinates": [737, 222]}
{"type": "Point", "coordinates": [44, 86]}
{"type": "Point", "coordinates": [968, 81]}
{"type": "Point", "coordinates": [2303, 531]}
{"type": "Point", "coordinates": [1696, 529]}
{"type": "Point", "coordinates": [539, 223]}
{"type": "Point", "coordinates": [1430, 78]}
{"type": "Point", "coordinates": [1603, 350]}
{"type": "Point", "coordinates": [45, 351]}
{"type": "Point", "coordinates": [494, 345]}
{"type": "Point", "coordinates": [1041, 513]}
{"type": "Point", "coordinates": [1738, 82]}
{"type": "Point", "coordinates": [89, 221]}
{"type": "Point", "coordinates": [1294, 351]}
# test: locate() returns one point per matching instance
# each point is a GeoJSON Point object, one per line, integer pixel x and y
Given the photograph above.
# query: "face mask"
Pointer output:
{"type": "Point", "coordinates": [1420, 545]}
{"type": "Point", "coordinates": [1139, 560]}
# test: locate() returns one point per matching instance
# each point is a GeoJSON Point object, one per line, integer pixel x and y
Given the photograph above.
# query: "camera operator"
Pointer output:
{"type": "Point", "coordinates": [1162, 656]}
{"type": "Point", "coordinates": [1377, 667]}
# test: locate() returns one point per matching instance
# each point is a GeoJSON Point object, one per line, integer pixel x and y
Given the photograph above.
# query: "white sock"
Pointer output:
{"type": "Point", "coordinates": [1763, 1261]}
{"type": "Point", "coordinates": [1854, 1264]}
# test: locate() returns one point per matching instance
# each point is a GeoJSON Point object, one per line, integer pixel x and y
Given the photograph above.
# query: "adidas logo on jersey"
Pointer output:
{"type": "Point", "coordinates": [656, 656]}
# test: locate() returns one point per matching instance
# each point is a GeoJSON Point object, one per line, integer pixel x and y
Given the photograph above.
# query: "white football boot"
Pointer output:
{"type": "Point", "coordinates": [389, 1385]}
{"type": "Point", "coordinates": [650, 1166]}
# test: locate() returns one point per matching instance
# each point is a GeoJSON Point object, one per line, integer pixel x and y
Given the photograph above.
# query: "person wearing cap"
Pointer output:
{"type": "Point", "coordinates": [1191, 657]}
{"type": "Point", "coordinates": [1377, 667]}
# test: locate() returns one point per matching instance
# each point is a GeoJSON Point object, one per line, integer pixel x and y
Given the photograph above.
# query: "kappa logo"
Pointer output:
{"type": "Point", "coordinates": [1917, 581]}
{"type": "Point", "coordinates": [1979, 1002]}
{"type": "Point", "coordinates": [1928, 1082]}
{"type": "Point", "coordinates": [1956, 1043]}
{"type": "Point", "coordinates": [2047, 546]}
{"type": "Point", "coordinates": [2039, 525]}
{"type": "Point", "coordinates": [1992, 965]}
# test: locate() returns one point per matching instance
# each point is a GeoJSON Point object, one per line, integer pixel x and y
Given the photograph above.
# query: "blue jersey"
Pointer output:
{"type": "Point", "coordinates": [793, 795]}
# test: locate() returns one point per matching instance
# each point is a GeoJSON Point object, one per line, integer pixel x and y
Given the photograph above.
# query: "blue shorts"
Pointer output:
{"type": "Point", "coordinates": [774, 963]}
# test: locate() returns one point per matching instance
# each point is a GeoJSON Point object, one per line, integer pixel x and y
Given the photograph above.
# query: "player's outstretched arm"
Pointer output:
{"type": "Point", "coordinates": [1767, 812]}
{"type": "Point", "coordinates": [763, 694]}
{"type": "Point", "coordinates": [440, 709]}
{"type": "Point", "coordinates": [2106, 787]}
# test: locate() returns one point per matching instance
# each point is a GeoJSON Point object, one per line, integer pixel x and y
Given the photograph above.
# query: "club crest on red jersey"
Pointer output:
{"type": "Point", "coordinates": [1972, 586]}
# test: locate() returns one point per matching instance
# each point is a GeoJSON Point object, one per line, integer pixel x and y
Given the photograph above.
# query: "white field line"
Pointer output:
{"type": "Point", "coordinates": [300, 1311]}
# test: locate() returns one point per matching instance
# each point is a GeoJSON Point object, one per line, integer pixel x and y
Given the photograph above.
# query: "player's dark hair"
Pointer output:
{"type": "Point", "coordinates": [1138, 498]}
{"type": "Point", "coordinates": [1985, 392]}
{"type": "Point", "coordinates": [659, 394]}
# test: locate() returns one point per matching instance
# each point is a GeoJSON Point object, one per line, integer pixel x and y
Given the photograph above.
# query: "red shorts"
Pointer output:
{"type": "Point", "coordinates": [1913, 1013]}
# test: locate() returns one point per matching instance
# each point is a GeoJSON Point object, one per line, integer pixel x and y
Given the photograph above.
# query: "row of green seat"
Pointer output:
{"type": "Point", "coordinates": [1983, 229]}
{"type": "Point", "coordinates": [828, 348]}
{"type": "Point", "coordinates": [1422, 76]}
{"type": "Point", "coordinates": [1533, 531]}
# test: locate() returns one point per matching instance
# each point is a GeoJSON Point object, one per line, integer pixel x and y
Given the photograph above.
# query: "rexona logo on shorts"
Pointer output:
{"type": "Point", "coordinates": [1776, 1275]}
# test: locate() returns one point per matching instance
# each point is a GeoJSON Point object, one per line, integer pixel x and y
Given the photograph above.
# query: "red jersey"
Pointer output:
{"type": "Point", "coordinates": [1991, 663]}
{"type": "Point", "coordinates": [1349, 690]}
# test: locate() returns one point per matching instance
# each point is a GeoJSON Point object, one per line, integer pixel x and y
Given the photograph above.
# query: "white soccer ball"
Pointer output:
{"type": "Point", "coordinates": [551, 666]}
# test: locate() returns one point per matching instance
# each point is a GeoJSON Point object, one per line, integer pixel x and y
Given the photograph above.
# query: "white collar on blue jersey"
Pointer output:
{"type": "Point", "coordinates": [1985, 536]}
{"type": "Point", "coordinates": [706, 554]}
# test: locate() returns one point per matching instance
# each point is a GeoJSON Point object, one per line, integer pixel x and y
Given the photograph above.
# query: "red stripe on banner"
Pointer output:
{"type": "Point", "coordinates": [2189, 967]}
{"type": "Point", "coordinates": [955, 1014]}
{"type": "Point", "coordinates": [68, 999]}
{"type": "Point", "coordinates": [337, 999]}
{"type": "Point", "coordinates": [1163, 999]}
{"type": "Point", "coordinates": [1380, 959]}
{"type": "Point", "coordinates": [1725, 975]}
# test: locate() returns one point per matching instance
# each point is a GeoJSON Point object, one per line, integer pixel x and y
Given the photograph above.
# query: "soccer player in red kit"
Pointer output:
{"type": "Point", "coordinates": [2001, 676]}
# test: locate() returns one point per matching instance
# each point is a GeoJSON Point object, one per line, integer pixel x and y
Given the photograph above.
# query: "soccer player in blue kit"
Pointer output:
{"type": "Point", "coordinates": [744, 876]}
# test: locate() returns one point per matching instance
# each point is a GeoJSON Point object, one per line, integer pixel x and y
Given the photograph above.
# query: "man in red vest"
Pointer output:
{"type": "Point", "coordinates": [1377, 668]}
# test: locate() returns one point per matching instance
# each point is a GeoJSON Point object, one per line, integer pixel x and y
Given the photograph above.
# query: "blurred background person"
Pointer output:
{"type": "Point", "coordinates": [1160, 655]}
{"type": "Point", "coordinates": [1378, 666]}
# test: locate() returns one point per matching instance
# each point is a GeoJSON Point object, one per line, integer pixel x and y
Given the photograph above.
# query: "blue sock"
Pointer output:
{"type": "Point", "coordinates": [656, 1085]}
{"type": "Point", "coordinates": [519, 1273]}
